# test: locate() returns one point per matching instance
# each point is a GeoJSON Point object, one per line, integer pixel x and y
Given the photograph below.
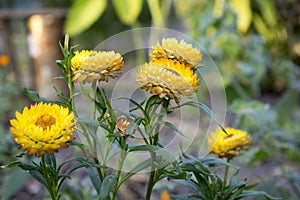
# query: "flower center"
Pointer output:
{"type": "Point", "coordinates": [45, 121]}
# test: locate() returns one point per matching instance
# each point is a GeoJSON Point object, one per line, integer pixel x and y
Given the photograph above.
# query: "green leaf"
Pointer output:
{"type": "Point", "coordinates": [61, 95]}
{"type": "Point", "coordinates": [257, 193]}
{"type": "Point", "coordinates": [88, 121]}
{"type": "Point", "coordinates": [112, 122]}
{"type": "Point", "coordinates": [50, 160]}
{"type": "Point", "coordinates": [77, 144]}
{"type": "Point", "coordinates": [107, 186]}
{"type": "Point", "coordinates": [12, 183]}
{"type": "Point", "coordinates": [203, 185]}
{"type": "Point", "coordinates": [203, 107]}
{"type": "Point", "coordinates": [151, 148]}
{"type": "Point", "coordinates": [136, 169]}
{"type": "Point", "coordinates": [35, 97]}
{"type": "Point", "coordinates": [147, 118]}
{"type": "Point", "coordinates": [93, 174]}
{"type": "Point", "coordinates": [213, 162]}
{"type": "Point", "coordinates": [38, 176]}
{"type": "Point", "coordinates": [100, 103]}
{"type": "Point", "coordinates": [153, 100]}
{"type": "Point", "coordinates": [71, 169]}
{"type": "Point", "coordinates": [83, 14]}
{"type": "Point", "coordinates": [188, 197]}
{"type": "Point", "coordinates": [130, 129]}
{"type": "Point", "coordinates": [80, 160]}
{"type": "Point", "coordinates": [174, 174]}
{"type": "Point", "coordinates": [20, 164]}
{"type": "Point", "coordinates": [128, 10]}
{"type": "Point", "coordinates": [171, 126]}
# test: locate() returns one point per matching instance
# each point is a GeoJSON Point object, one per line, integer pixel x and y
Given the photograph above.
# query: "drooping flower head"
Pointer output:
{"type": "Point", "coordinates": [121, 124]}
{"type": "Point", "coordinates": [177, 51]}
{"type": "Point", "coordinates": [228, 145]}
{"type": "Point", "coordinates": [167, 78]}
{"type": "Point", "coordinates": [43, 128]}
{"type": "Point", "coordinates": [89, 66]}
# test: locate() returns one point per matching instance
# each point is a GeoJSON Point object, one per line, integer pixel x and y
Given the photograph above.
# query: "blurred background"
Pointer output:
{"type": "Point", "coordinates": [254, 43]}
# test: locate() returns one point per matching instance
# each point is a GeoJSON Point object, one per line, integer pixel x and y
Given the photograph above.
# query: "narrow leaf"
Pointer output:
{"type": "Point", "coordinates": [257, 193]}
{"type": "Point", "coordinates": [92, 172]}
{"type": "Point", "coordinates": [107, 186]}
{"type": "Point", "coordinates": [35, 97]}
{"type": "Point", "coordinates": [136, 169]}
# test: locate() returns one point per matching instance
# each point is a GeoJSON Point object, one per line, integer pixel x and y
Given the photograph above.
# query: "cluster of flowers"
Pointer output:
{"type": "Point", "coordinates": [171, 73]}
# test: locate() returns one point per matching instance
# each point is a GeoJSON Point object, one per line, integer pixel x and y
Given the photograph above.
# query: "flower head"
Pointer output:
{"type": "Point", "coordinates": [121, 125]}
{"type": "Point", "coordinates": [43, 128]}
{"type": "Point", "coordinates": [167, 78]}
{"type": "Point", "coordinates": [88, 66]}
{"type": "Point", "coordinates": [177, 51]}
{"type": "Point", "coordinates": [228, 145]}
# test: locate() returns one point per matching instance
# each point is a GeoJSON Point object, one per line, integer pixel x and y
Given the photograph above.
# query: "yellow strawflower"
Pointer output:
{"type": "Point", "coordinates": [167, 78]}
{"type": "Point", "coordinates": [89, 66]}
{"type": "Point", "coordinates": [228, 145]}
{"type": "Point", "coordinates": [43, 128]}
{"type": "Point", "coordinates": [177, 51]}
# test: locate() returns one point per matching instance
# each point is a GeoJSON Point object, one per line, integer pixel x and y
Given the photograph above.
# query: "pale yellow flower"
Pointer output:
{"type": "Point", "coordinates": [228, 145]}
{"type": "Point", "coordinates": [89, 66]}
{"type": "Point", "coordinates": [167, 78]}
{"type": "Point", "coordinates": [43, 128]}
{"type": "Point", "coordinates": [177, 51]}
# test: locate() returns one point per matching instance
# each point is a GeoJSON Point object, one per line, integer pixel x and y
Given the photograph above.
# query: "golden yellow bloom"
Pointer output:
{"type": "Point", "coordinates": [178, 51]}
{"type": "Point", "coordinates": [228, 145]}
{"type": "Point", "coordinates": [167, 78]}
{"type": "Point", "coordinates": [165, 195]}
{"type": "Point", "coordinates": [88, 66]}
{"type": "Point", "coordinates": [43, 128]}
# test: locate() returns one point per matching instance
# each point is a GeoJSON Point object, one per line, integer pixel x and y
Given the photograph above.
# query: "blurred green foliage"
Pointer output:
{"type": "Point", "coordinates": [261, 79]}
{"type": "Point", "coordinates": [10, 101]}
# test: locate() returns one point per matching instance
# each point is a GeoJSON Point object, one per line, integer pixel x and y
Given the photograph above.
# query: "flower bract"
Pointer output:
{"type": "Point", "coordinates": [230, 144]}
{"type": "Point", "coordinates": [177, 51]}
{"type": "Point", "coordinates": [43, 128]}
{"type": "Point", "coordinates": [166, 77]}
{"type": "Point", "coordinates": [89, 66]}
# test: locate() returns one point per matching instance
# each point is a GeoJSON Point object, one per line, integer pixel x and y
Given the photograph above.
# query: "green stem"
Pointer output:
{"type": "Point", "coordinates": [123, 154]}
{"type": "Point", "coordinates": [155, 137]}
{"type": "Point", "coordinates": [50, 181]}
{"type": "Point", "coordinates": [152, 176]}
{"type": "Point", "coordinates": [95, 86]}
{"type": "Point", "coordinates": [226, 174]}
